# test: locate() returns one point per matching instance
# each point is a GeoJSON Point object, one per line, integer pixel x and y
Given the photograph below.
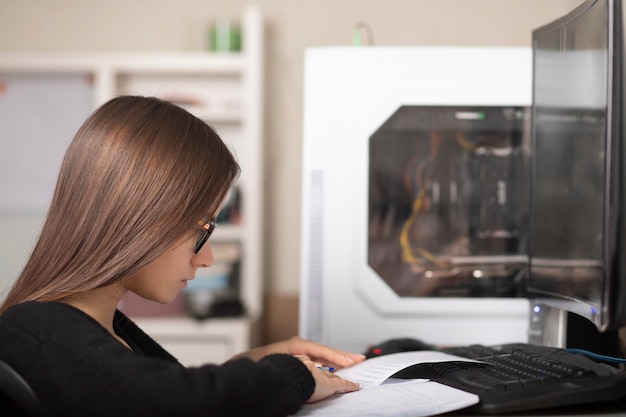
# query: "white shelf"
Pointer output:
{"type": "Point", "coordinates": [182, 62]}
{"type": "Point", "coordinates": [217, 116]}
{"type": "Point", "coordinates": [195, 342]}
{"type": "Point", "coordinates": [228, 232]}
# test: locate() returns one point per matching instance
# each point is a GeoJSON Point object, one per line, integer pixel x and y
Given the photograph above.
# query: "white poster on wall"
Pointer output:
{"type": "Point", "coordinates": [39, 115]}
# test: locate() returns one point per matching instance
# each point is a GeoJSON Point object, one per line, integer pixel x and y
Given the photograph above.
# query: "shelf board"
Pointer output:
{"type": "Point", "coordinates": [180, 62]}
{"type": "Point", "coordinates": [225, 232]}
{"type": "Point", "coordinates": [190, 327]}
{"type": "Point", "coordinates": [215, 115]}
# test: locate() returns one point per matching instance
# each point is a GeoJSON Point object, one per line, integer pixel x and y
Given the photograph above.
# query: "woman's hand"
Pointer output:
{"type": "Point", "coordinates": [319, 354]}
{"type": "Point", "coordinates": [326, 383]}
{"type": "Point", "coordinates": [313, 355]}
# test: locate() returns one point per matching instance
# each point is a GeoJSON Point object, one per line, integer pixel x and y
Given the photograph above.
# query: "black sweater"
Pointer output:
{"type": "Point", "coordinates": [77, 368]}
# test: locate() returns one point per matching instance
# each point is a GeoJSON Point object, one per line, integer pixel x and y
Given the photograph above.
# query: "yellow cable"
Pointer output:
{"type": "Point", "coordinates": [408, 253]}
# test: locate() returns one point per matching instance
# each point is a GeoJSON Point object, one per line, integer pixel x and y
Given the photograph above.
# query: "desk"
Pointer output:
{"type": "Point", "coordinates": [587, 410]}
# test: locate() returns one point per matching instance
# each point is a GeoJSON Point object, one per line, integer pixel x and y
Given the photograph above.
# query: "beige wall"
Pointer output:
{"type": "Point", "coordinates": [291, 26]}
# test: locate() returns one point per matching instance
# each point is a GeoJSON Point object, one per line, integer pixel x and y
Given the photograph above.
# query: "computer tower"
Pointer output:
{"type": "Point", "coordinates": [414, 194]}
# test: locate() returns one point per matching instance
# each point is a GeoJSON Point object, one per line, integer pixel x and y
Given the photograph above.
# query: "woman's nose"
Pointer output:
{"type": "Point", "coordinates": [204, 258]}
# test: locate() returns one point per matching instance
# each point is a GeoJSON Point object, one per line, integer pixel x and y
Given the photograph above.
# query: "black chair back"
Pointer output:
{"type": "Point", "coordinates": [17, 398]}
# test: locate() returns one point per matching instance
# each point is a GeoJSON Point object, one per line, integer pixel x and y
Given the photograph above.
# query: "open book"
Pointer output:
{"type": "Point", "coordinates": [382, 396]}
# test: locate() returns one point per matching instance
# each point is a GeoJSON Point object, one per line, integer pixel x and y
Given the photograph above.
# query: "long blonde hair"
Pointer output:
{"type": "Point", "coordinates": [138, 176]}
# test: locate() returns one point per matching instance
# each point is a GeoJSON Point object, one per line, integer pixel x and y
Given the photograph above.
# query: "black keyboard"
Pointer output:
{"type": "Point", "coordinates": [519, 377]}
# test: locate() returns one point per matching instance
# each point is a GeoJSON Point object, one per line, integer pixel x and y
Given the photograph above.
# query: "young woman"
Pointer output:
{"type": "Point", "coordinates": [137, 194]}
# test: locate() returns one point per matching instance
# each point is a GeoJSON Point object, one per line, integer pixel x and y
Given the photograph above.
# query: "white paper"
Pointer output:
{"type": "Point", "coordinates": [382, 396]}
{"type": "Point", "coordinates": [413, 398]}
{"type": "Point", "coordinates": [375, 370]}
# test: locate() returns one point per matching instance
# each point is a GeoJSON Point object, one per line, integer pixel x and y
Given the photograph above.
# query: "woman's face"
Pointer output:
{"type": "Point", "coordinates": [162, 280]}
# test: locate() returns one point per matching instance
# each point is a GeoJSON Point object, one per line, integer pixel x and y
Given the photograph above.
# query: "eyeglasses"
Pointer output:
{"type": "Point", "coordinates": [207, 229]}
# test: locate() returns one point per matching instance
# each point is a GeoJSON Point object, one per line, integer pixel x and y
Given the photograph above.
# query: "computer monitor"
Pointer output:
{"type": "Point", "coordinates": [577, 211]}
{"type": "Point", "coordinates": [415, 188]}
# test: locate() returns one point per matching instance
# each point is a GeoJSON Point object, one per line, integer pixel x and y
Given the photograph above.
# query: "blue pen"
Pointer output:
{"type": "Point", "coordinates": [326, 368]}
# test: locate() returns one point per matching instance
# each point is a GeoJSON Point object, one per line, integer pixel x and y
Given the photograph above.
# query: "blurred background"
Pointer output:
{"type": "Point", "coordinates": [290, 26]}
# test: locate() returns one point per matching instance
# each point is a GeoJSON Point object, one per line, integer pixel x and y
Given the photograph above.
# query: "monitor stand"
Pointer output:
{"type": "Point", "coordinates": [555, 327]}
{"type": "Point", "coordinates": [548, 325]}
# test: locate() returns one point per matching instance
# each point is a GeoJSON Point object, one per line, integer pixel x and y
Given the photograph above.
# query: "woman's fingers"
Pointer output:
{"type": "Point", "coordinates": [327, 383]}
